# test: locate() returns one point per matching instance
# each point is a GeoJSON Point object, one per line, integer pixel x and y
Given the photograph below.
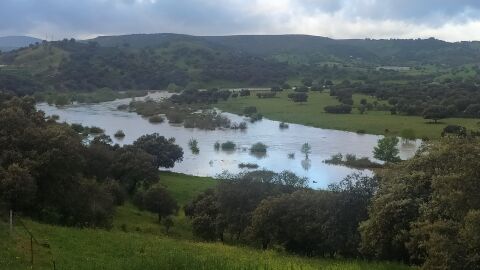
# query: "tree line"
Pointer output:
{"type": "Point", "coordinates": [49, 173]}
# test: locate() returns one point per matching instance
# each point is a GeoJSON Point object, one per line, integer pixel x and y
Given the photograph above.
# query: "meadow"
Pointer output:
{"type": "Point", "coordinates": [311, 113]}
{"type": "Point", "coordinates": [137, 241]}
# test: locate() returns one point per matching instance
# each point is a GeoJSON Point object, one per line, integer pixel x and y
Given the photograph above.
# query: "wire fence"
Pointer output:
{"type": "Point", "coordinates": [15, 221]}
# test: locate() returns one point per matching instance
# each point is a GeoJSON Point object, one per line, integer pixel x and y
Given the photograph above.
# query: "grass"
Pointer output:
{"type": "Point", "coordinates": [312, 114]}
{"type": "Point", "coordinates": [148, 247]}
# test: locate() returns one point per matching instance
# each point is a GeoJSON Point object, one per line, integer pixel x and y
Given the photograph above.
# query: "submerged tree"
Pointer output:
{"type": "Point", "coordinates": [387, 150]}
{"type": "Point", "coordinates": [306, 149]}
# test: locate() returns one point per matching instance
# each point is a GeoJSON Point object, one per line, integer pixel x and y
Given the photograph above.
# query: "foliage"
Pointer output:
{"type": "Point", "coordinates": [228, 146]}
{"type": "Point", "coordinates": [306, 149]}
{"type": "Point", "coordinates": [340, 109]}
{"type": "Point", "coordinates": [387, 149]}
{"type": "Point", "coordinates": [298, 97]}
{"type": "Point", "coordinates": [164, 151]}
{"type": "Point", "coordinates": [259, 148]}
{"type": "Point", "coordinates": [426, 207]}
{"type": "Point", "coordinates": [315, 223]}
{"type": "Point", "coordinates": [119, 134]}
{"type": "Point", "coordinates": [157, 200]}
{"type": "Point", "coordinates": [352, 161]}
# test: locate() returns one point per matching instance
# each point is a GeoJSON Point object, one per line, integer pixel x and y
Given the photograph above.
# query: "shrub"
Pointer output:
{"type": "Point", "coordinates": [119, 134]}
{"type": "Point", "coordinates": [96, 130]}
{"type": "Point", "coordinates": [156, 119]}
{"type": "Point", "coordinates": [216, 146]}
{"type": "Point", "coordinates": [248, 165]}
{"type": "Point", "coordinates": [229, 145]}
{"type": "Point", "coordinates": [266, 95]}
{"type": "Point", "coordinates": [283, 125]}
{"type": "Point", "coordinates": [249, 110]}
{"type": "Point", "coordinates": [339, 109]}
{"type": "Point", "coordinates": [259, 148]}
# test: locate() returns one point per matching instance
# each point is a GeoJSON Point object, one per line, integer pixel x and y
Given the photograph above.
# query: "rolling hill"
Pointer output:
{"type": "Point", "coordinates": [160, 61]}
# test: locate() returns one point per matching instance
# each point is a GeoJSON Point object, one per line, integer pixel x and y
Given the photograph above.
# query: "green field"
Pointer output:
{"type": "Point", "coordinates": [311, 113]}
{"type": "Point", "coordinates": [143, 244]}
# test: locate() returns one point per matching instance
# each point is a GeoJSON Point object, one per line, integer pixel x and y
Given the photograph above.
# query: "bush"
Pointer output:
{"type": "Point", "coordinates": [259, 148]}
{"type": "Point", "coordinates": [267, 95]}
{"type": "Point", "coordinates": [249, 110]}
{"type": "Point", "coordinates": [119, 134]}
{"type": "Point", "coordinates": [96, 130]}
{"type": "Point", "coordinates": [338, 109]}
{"type": "Point", "coordinates": [283, 125]}
{"type": "Point", "coordinates": [248, 165]}
{"type": "Point", "coordinates": [229, 145]}
{"type": "Point", "coordinates": [156, 119]}
{"type": "Point", "coordinates": [216, 146]}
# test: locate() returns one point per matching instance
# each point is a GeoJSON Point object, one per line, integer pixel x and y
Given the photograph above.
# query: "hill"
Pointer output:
{"type": "Point", "coordinates": [137, 241]}
{"type": "Point", "coordinates": [9, 43]}
{"type": "Point", "coordinates": [160, 61]}
{"type": "Point", "coordinates": [391, 52]}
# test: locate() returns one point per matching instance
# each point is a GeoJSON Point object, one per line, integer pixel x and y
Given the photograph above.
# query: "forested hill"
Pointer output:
{"type": "Point", "coordinates": [159, 61]}
{"type": "Point", "coordinates": [315, 48]}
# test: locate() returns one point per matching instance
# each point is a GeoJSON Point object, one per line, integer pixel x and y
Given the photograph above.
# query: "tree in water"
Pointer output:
{"type": "Point", "coordinates": [306, 150]}
{"type": "Point", "coordinates": [387, 150]}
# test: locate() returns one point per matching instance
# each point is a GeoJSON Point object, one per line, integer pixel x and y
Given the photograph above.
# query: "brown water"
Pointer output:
{"type": "Point", "coordinates": [209, 162]}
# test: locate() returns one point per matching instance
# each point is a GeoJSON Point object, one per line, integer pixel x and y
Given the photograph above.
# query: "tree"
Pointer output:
{"type": "Point", "coordinates": [387, 150]}
{"type": "Point", "coordinates": [426, 208]}
{"type": "Point", "coordinates": [408, 135]}
{"type": "Point", "coordinates": [435, 113]}
{"type": "Point", "coordinates": [157, 200]}
{"type": "Point", "coordinates": [165, 152]}
{"type": "Point", "coordinates": [17, 187]}
{"type": "Point", "coordinates": [307, 82]}
{"type": "Point", "coordinates": [298, 97]}
{"type": "Point", "coordinates": [306, 149]}
{"type": "Point", "coordinates": [167, 223]}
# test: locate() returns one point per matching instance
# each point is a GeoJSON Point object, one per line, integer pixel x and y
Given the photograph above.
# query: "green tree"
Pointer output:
{"type": "Point", "coordinates": [387, 150]}
{"type": "Point", "coordinates": [306, 149]}
{"type": "Point", "coordinates": [435, 113]}
{"type": "Point", "coordinates": [408, 135]}
{"type": "Point", "coordinates": [157, 200]}
{"type": "Point", "coordinates": [164, 151]}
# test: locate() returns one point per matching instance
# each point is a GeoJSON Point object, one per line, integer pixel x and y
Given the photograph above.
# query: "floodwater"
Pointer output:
{"type": "Point", "coordinates": [210, 162]}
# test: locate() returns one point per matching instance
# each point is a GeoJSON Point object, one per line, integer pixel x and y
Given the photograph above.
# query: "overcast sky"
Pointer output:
{"type": "Point", "coordinates": [451, 20]}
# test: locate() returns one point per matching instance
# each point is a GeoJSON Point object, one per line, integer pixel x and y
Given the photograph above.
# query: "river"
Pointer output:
{"type": "Point", "coordinates": [210, 162]}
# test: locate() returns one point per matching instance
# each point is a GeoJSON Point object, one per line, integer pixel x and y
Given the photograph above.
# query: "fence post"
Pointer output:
{"type": "Point", "coordinates": [31, 250]}
{"type": "Point", "coordinates": [11, 221]}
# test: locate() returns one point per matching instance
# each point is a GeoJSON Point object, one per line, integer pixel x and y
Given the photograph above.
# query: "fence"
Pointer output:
{"type": "Point", "coordinates": [15, 219]}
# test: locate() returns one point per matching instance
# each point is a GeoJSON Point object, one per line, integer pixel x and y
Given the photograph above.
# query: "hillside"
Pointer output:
{"type": "Point", "coordinates": [174, 61]}
{"type": "Point", "coordinates": [9, 43]}
{"type": "Point", "coordinates": [391, 52]}
{"type": "Point", "coordinates": [137, 241]}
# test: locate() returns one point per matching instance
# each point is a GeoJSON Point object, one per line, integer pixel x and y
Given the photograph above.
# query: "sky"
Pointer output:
{"type": "Point", "coordinates": [451, 20]}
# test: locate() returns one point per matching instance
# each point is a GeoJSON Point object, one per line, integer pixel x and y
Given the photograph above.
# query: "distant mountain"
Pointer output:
{"type": "Point", "coordinates": [9, 43]}
{"type": "Point", "coordinates": [314, 49]}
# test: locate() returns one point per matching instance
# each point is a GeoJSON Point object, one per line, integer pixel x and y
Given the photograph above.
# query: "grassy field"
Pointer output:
{"type": "Point", "coordinates": [143, 244]}
{"type": "Point", "coordinates": [312, 114]}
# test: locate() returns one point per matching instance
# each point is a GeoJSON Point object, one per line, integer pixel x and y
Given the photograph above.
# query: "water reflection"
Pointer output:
{"type": "Point", "coordinates": [284, 145]}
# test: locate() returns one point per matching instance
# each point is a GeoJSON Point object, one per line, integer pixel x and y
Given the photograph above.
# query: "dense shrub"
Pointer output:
{"type": "Point", "coordinates": [338, 109]}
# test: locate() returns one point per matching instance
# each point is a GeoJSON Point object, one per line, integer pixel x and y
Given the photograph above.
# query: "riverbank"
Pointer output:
{"type": "Point", "coordinates": [137, 241]}
{"type": "Point", "coordinates": [311, 113]}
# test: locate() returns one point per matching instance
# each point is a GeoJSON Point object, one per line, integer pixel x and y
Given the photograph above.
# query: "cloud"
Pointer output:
{"type": "Point", "coordinates": [445, 19]}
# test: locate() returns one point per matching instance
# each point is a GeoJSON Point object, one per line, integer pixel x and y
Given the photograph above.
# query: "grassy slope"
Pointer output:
{"type": "Point", "coordinates": [144, 244]}
{"type": "Point", "coordinates": [312, 114]}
